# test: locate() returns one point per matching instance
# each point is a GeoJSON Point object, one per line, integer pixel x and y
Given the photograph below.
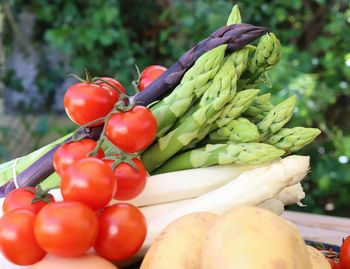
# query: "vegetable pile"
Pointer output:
{"type": "Point", "coordinates": [197, 137]}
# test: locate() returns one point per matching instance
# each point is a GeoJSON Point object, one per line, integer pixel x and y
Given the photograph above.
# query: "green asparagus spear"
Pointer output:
{"type": "Point", "coordinates": [213, 100]}
{"type": "Point", "coordinates": [244, 153]}
{"type": "Point", "coordinates": [240, 130]}
{"type": "Point", "coordinates": [232, 110]}
{"type": "Point", "coordinates": [259, 109]}
{"type": "Point", "coordinates": [235, 16]}
{"type": "Point", "coordinates": [266, 56]}
{"type": "Point", "coordinates": [277, 117]}
{"type": "Point", "coordinates": [293, 139]}
{"type": "Point", "coordinates": [194, 83]}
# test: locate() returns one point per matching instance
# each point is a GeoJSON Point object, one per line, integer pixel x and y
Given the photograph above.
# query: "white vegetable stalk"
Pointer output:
{"type": "Point", "coordinates": [187, 184]}
{"type": "Point", "coordinates": [292, 195]}
{"type": "Point", "coordinates": [274, 205]}
{"type": "Point", "coordinates": [250, 188]}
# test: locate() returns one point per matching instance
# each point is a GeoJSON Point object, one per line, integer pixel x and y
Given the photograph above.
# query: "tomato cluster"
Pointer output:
{"type": "Point", "coordinates": [341, 261]}
{"type": "Point", "coordinates": [34, 224]}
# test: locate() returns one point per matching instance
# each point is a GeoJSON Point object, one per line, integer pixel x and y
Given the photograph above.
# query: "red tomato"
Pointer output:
{"type": "Point", "coordinates": [133, 130]}
{"type": "Point", "coordinates": [345, 254]}
{"type": "Point", "coordinates": [86, 102]}
{"type": "Point", "coordinates": [334, 264]}
{"type": "Point", "coordinates": [114, 83]}
{"type": "Point", "coordinates": [130, 182]}
{"type": "Point", "coordinates": [23, 198]}
{"type": "Point", "coordinates": [90, 181]}
{"type": "Point", "coordinates": [17, 240]}
{"type": "Point", "coordinates": [122, 230]}
{"type": "Point", "coordinates": [71, 152]}
{"type": "Point", "coordinates": [150, 74]}
{"type": "Point", "coordinates": [66, 229]}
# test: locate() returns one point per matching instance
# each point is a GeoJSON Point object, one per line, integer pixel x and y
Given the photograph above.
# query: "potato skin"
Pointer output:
{"type": "Point", "coordinates": [318, 260]}
{"type": "Point", "coordinates": [180, 243]}
{"type": "Point", "coordinates": [250, 238]}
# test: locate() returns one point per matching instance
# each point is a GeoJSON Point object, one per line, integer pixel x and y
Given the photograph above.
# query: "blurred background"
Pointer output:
{"type": "Point", "coordinates": [41, 41]}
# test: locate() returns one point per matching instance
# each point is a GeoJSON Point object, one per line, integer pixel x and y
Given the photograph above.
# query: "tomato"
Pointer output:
{"type": "Point", "coordinates": [17, 240]}
{"type": "Point", "coordinates": [150, 74]}
{"type": "Point", "coordinates": [71, 152]}
{"type": "Point", "coordinates": [23, 198]}
{"type": "Point", "coordinates": [334, 264]}
{"type": "Point", "coordinates": [122, 230]}
{"type": "Point", "coordinates": [66, 229]}
{"type": "Point", "coordinates": [345, 254]}
{"type": "Point", "coordinates": [114, 83]}
{"type": "Point", "coordinates": [86, 102]}
{"type": "Point", "coordinates": [133, 130]}
{"type": "Point", "coordinates": [130, 182]}
{"type": "Point", "coordinates": [90, 181]}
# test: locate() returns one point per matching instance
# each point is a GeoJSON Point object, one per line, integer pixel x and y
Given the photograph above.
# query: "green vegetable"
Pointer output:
{"type": "Point", "coordinates": [193, 85]}
{"type": "Point", "coordinates": [277, 117]}
{"type": "Point", "coordinates": [259, 109]}
{"type": "Point", "coordinates": [235, 16]}
{"type": "Point", "coordinates": [240, 130]}
{"type": "Point", "coordinates": [211, 154]}
{"type": "Point", "coordinates": [213, 100]}
{"type": "Point", "coordinates": [293, 139]}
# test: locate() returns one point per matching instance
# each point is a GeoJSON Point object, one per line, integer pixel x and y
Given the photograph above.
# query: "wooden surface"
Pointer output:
{"type": "Point", "coordinates": [319, 228]}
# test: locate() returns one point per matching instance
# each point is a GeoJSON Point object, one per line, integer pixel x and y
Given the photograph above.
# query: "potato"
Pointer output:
{"type": "Point", "coordinates": [250, 238]}
{"type": "Point", "coordinates": [180, 243]}
{"type": "Point", "coordinates": [318, 260]}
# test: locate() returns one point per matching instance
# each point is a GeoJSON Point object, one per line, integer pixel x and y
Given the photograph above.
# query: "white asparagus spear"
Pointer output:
{"type": "Point", "coordinates": [186, 184]}
{"type": "Point", "coordinates": [292, 195]}
{"type": "Point", "coordinates": [274, 205]}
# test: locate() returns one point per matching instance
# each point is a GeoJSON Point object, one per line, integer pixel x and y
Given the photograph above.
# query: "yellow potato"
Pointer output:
{"type": "Point", "coordinates": [179, 245]}
{"type": "Point", "coordinates": [84, 262]}
{"type": "Point", "coordinates": [254, 238]}
{"type": "Point", "coordinates": [318, 260]}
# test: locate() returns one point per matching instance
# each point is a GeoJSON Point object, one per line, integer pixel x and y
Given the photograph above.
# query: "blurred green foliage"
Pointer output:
{"type": "Point", "coordinates": [110, 37]}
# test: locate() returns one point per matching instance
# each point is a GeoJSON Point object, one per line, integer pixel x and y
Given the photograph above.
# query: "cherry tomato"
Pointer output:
{"type": "Point", "coordinates": [130, 182]}
{"type": "Point", "coordinates": [17, 240]}
{"type": "Point", "coordinates": [334, 264]}
{"type": "Point", "coordinates": [66, 229]}
{"type": "Point", "coordinates": [71, 152]}
{"type": "Point", "coordinates": [150, 74]}
{"type": "Point", "coordinates": [114, 83]}
{"type": "Point", "coordinates": [345, 254]}
{"type": "Point", "coordinates": [133, 130]}
{"type": "Point", "coordinates": [90, 181]}
{"type": "Point", "coordinates": [23, 198]}
{"type": "Point", "coordinates": [122, 230]}
{"type": "Point", "coordinates": [86, 102]}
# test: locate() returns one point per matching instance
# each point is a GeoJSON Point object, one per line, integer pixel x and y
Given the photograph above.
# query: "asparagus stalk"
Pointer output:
{"type": "Point", "coordinates": [266, 56]}
{"type": "Point", "coordinates": [244, 153]}
{"type": "Point", "coordinates": [277, 117]}
{"type": "Point", "coordinates": [192, 86]}
{"type": "Point", "coordinates": [259, 109]}
{"type": "Point", "coordinates": [218, 94]}
{"type": "Point", "coordinates": [237, 36]}
{"type": "Point", "coordinates": [293, 139]}
{"type": "Point", "coordinates": [292, 195]}
{"type": "Point", "coordinates": [240, 130]}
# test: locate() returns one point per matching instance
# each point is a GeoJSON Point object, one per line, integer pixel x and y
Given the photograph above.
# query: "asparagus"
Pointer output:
{"type": "Point", "coordinates": [266, 56]}
{"type": "Point", "coordinates": [213, 100]}
{"type": "Point", "coordinates": [277, 117]}
{"type": "Point", "coordinates": [235, 16]}
{"type": "Point", "coordinates": [193, 84]}
{"type": "Point", "coordinates": [259, 109]}
{"type": "Point", "coordinates": [236, 36]}
{"type": "Point", "coordinates": [240, 130]}
{"type": "Point", "coordinates": [293, 139]}
{"type": "Point", "coordinates": [211, 154]}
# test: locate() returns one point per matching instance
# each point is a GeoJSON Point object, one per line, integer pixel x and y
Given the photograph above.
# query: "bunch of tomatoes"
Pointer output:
{"type": "Point", "coordinates": [34, 224]}
{"type": "Point", "coordinates": [341, 260]}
